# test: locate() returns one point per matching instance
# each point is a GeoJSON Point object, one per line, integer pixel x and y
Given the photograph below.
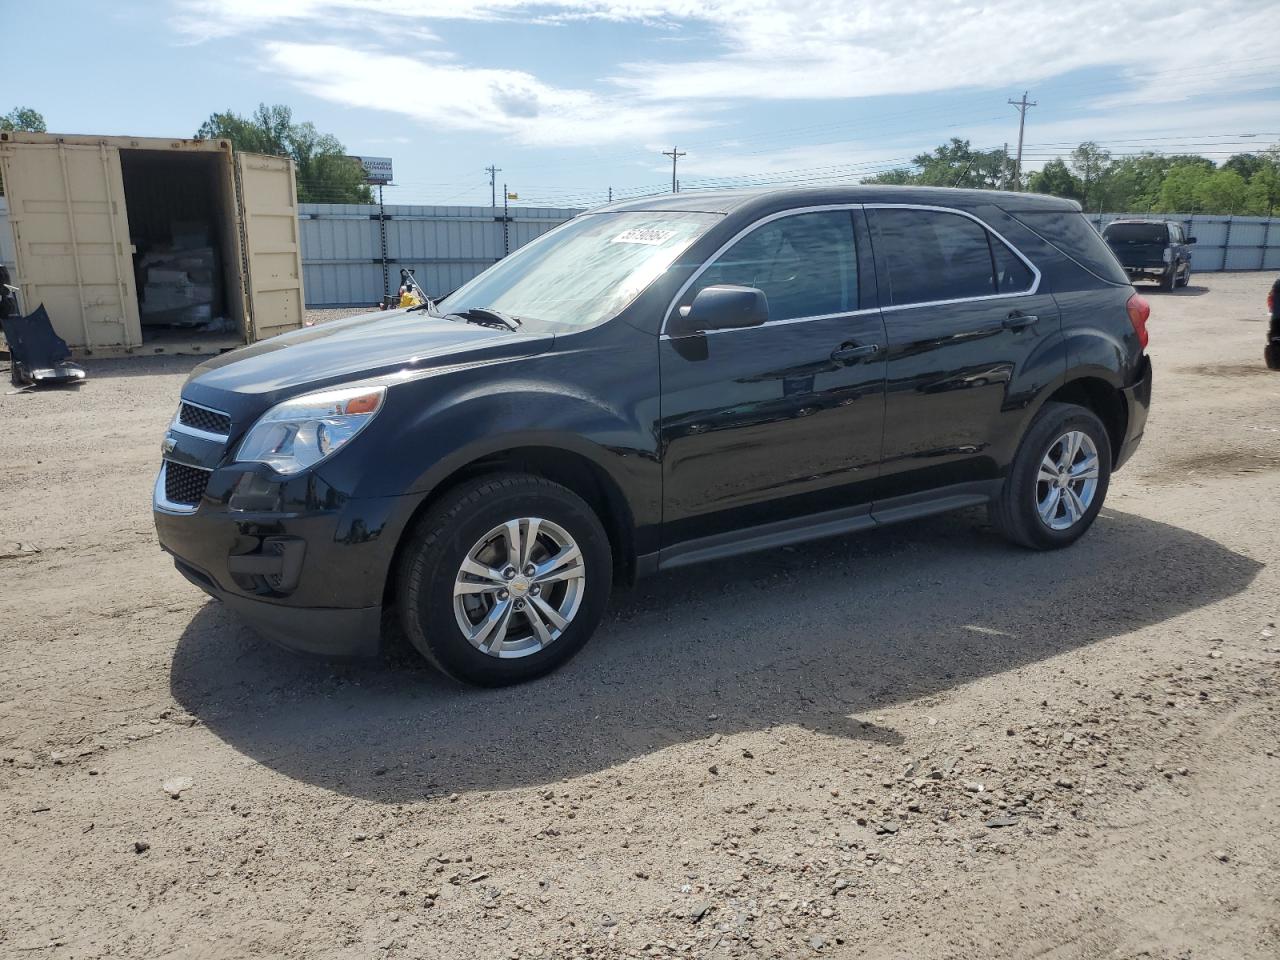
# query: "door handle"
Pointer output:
{"type": "Point", "coordinates": [847, 352]}
{"type": "Point", "coordinates": [1019, 321]}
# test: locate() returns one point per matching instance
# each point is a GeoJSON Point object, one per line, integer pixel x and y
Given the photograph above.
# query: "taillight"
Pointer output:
{"type": "Point", "coordinates": [1271, 300]}
{"type": "Point", "coordinates": [1139, 312]}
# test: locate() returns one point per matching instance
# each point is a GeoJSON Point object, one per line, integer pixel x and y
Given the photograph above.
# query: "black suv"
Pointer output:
{"type": "Point", "coordinates": [657, 383]}
{"type": "Point", "coordinates": [1156, 250]}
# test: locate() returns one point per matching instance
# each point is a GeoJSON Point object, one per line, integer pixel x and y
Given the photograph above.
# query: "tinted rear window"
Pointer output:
{"type": "Point", "coordinates": [1073, 235]}
{"type": "Point", "coordinates": [1135, 233]}
{"type": "Point", "coordinates": [933, 256]}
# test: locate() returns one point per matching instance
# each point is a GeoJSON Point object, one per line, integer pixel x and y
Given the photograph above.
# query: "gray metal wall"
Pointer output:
{"type": "Point", "coordinates": [445, 246]}
{"type": "Point", "coordinates": [1222, 243]}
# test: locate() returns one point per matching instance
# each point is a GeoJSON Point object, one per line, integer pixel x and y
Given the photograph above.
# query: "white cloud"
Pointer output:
{"type": "Point", "coordinates": [761, 50]}
{"type": "Point", "coordinates": [454, 97]}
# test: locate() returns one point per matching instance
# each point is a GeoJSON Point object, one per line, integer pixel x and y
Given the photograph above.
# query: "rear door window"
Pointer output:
{"type": "Point", "coordinates": [806, 264]}
{"type": "Point", "coordinates": [932, 255]}
{"type": "Point", "coordinates": [1012, 274]}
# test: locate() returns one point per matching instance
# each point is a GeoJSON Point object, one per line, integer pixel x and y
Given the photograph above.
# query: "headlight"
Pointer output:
{"type": "Point", "coordinates": [301, 432]}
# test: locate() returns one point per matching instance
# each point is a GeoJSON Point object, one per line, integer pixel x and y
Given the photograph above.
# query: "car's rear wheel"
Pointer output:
{"type": "Point", "coordinates": [504, 579]}
{"type": "Point", "coordinates": [1058, 480]}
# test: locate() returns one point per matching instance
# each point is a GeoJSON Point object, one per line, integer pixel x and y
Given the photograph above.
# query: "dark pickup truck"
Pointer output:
{"type": "Point", "coordinates": [1157, 250]}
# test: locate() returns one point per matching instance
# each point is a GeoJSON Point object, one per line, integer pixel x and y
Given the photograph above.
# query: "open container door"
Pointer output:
{"type": "Point", "coordinates": [71, 239]}
{"type": "Point", "coordinates": [268, 209]}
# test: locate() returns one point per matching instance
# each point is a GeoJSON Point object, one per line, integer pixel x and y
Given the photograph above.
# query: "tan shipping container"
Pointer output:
{"type": "Point", "coordinates": [87, 214]}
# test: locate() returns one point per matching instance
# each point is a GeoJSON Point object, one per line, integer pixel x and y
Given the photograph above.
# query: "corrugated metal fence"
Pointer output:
{"type": "Point", "coordinates": [447, 246]}
{"type": "Point", "coordinates": [1222, 243]}
{"type": "Point", "coordinates": [444, 246]}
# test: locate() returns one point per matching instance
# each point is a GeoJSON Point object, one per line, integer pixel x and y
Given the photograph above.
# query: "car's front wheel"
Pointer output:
{"type": "Point", "coordinates": [1057, 481]}
{"type": "Point", "coordinates": [503, 579]}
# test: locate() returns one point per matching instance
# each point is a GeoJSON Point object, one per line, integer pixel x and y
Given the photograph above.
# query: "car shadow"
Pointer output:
{"type": "Point", "coordinates": [1191, 291]}
{"type": "Point", "coordinates": [820, 635]}
{"type": "Point", "coordinates": [108, 368]}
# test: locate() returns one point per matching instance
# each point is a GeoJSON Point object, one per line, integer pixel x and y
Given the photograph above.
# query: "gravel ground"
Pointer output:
{"type": "Point", "coordinates": [916, 743]}
{"type": "Point", "coordinates": [335, 313]}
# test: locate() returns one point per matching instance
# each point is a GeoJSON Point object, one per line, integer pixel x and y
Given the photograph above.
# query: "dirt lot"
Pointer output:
{"type": "Point", "coordinates": [917, 743]}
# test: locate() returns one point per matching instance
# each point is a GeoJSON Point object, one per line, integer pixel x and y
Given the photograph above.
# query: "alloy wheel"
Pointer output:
{"type": "Point", "coordinates": [1067, 481]}
{"type": "Point", "coordinates": [519, 587]}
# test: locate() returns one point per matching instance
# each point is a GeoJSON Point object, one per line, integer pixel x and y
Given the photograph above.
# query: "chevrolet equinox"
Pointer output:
{"type": "Point", "coordinates": [656, 383]}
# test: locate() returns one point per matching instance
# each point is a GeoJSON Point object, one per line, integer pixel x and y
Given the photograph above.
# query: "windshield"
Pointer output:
{"type": "Point", "coordinates": [584, 271]}
{"type": "Point", "coordinates": [1136, 233]}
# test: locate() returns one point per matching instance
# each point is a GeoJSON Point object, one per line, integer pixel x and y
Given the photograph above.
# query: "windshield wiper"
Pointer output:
{"type": "Point", "coordinates": [487, 317]}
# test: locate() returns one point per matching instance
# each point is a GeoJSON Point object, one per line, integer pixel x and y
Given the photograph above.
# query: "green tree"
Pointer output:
{"type": "Point", "coordinates": [24, 119]}
{"type": "Point", "coordinates": [898, 176]}
{"type": "Point", "coordinates": [1245, 164]}
{"type": "Point", "coordinates": [1263, 197]}
{"type": "Point", "coordinates": [957, 164]}
{"type": "Point", "coordinates": [1178, 191]}
{"type": "Point", "coordinates": [1055, 179]}
{"type": "Point", "coordinates": [325, 174]}
{"type": "Point", "coordinates": [1222, 191]}
{"type": "Point", "coordinates": [1092, 165]}
{"type": "Point", "coordinates": [1134, 182]}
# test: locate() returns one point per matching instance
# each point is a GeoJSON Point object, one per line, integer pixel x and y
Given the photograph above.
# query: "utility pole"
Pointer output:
{"type": "Point", "coordinates": [611, 194]}
{"type": "Point", "coordinates": [493, 172]}
{"type": "Point", "coordinates": [675, 154]}
{"type": "Point", "coordinates": [506, 221]}
{"type": "Point", "coordinates": [1021, 106]}
{"type": "Point", "coordinates": [1004, 167]}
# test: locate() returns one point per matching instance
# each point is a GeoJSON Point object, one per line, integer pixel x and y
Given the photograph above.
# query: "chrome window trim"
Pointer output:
{"type": "Point", "coordinates": [161, 502]}
{"type": "Point", "coordinates": [794, 211]}
{"type": "Point", "coordinates": [1035, 272]}
{"type": "Point", "coordinates": [181, 427]}
{"type": "Point", "coordinates": [822, 208]}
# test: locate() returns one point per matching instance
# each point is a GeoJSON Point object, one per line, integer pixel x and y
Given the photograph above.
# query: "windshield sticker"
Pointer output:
{"type": "Point", "coordinates": [645, 235]}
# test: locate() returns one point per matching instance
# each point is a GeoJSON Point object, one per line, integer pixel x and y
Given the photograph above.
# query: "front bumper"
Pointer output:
{"type": "Point", "coordinates": [1137, 400]}
{"type": "Point", "coordinates": [310, 578]}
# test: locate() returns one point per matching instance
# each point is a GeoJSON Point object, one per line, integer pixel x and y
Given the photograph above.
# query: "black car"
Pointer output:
{"type": "Point", "coordinates": [1157, 250]}
{"type": "Point", "coordinates": [652, 384]}
{"type": "Point", "coordinates": [1272, 352]}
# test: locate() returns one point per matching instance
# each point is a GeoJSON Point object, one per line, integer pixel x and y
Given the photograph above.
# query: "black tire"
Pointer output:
{"type": "Point", "coordinates": [431, 560]}
{"type": "Point", "coordinates": [1014, 512]}
{"type": "Point", "coordinates": [1186, 277]}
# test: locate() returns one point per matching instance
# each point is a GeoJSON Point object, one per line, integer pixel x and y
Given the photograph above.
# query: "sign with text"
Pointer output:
{"type": "Point", "coordinates": [377, 170]}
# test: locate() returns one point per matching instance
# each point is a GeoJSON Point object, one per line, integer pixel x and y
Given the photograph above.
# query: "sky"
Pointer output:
{"type": "Point", "coordinates": [572, 98]}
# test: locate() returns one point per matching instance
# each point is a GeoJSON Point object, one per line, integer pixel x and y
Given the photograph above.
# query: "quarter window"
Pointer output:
{"type": "Point", "coordinates": [805, 264]}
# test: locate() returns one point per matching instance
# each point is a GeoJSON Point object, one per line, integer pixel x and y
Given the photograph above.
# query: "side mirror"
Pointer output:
{"type": "Point", "coordinates": [1191, 239]}
{"type": "Point", "coordinates": [722, 307]}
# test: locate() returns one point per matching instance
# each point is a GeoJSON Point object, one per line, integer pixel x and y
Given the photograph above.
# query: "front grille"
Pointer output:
{"type": "Point", "coordinates": [183, 484]}
{"type": "Point", "coordinates": [198, 418]}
